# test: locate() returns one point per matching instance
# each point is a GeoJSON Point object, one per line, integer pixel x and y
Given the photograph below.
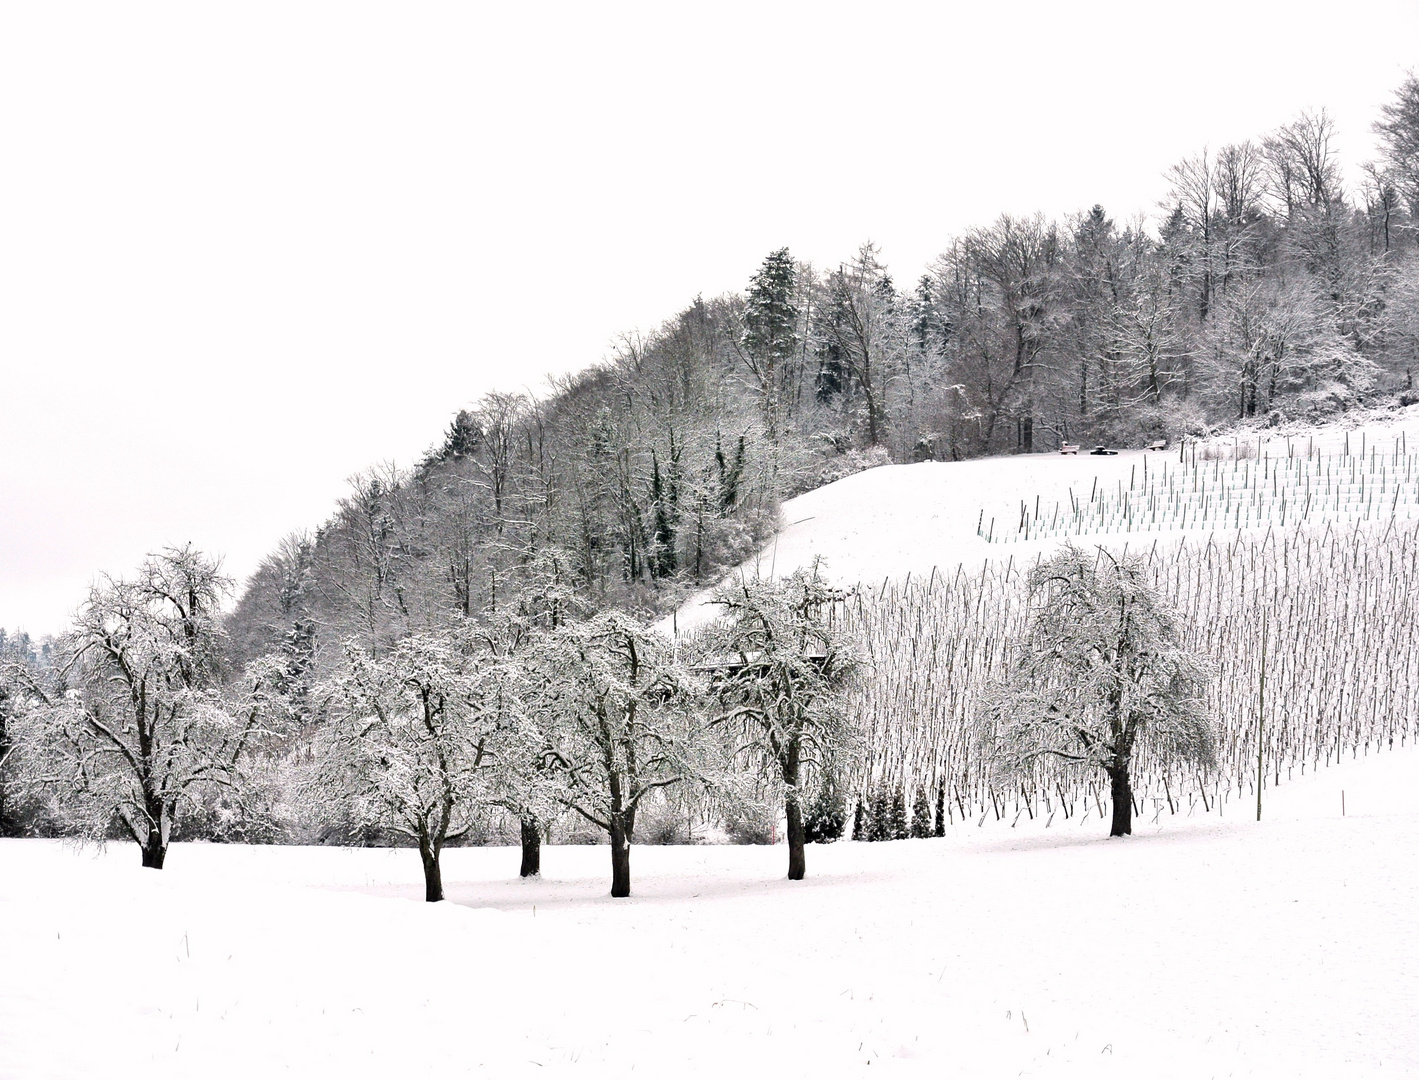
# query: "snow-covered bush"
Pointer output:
{"type": "Point", "coordinates": [850, 463]}
{"type": "Point", "coordinates": [749, 823]}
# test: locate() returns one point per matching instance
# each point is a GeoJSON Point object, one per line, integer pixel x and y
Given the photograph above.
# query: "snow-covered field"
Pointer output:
{"type": "Point", "coordinates": [1198, 947]}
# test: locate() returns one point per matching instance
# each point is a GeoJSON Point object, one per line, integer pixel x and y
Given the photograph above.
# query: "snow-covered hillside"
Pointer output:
{"type": "Point", "coordinates": [1198, 947]}
{"type": "Point", "coordinates": [897, 521]}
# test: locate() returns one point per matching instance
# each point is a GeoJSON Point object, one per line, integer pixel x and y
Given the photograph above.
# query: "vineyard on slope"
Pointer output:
{"type": "Point", "coordinates": [1303, 486]}
{"type": "Point", "coordinates": [1327, 615]}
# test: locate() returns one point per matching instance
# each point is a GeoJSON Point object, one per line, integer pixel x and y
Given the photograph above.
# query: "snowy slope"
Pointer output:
{"type": "Point", "coordinates": [900, 520]}
{"type": "Point", "coordinates": [1199, 947]}
{"type": "Point", "coordinates": [896, 520]}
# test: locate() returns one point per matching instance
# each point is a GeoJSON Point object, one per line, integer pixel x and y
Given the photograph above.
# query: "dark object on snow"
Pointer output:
{"type": "Point", "coordinates": [879, 821]}
{"type": "Point", "coordinates": [1103, 451]}
{"type": "Point", "coordinates": [897, 827]}
{"type": "Point", "coordinates": [531, 847]}
{"type": "Point", "coordinates": [921, 814]}
{"type": "Point", "coordinates": [825, 818]}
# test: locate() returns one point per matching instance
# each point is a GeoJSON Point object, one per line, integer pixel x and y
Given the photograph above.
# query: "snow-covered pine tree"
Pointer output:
{"type": "Point", "coordinates": [879, 823]}
{"type": "Point", "coordinates": [898, 827]}
{"type": "Point", "coordinates": [921, 814]}
{"type": "Point", "coordinates": [664, 508]}
{"type": "Point", "coordinates": [770, 332]}
{"type": "Point", "coordinates": [826, 816]}
{"type": "Point", "coordinates": [464, 436]}
{"type": "Point", "coordinates": [940, 811]}
{"type": "Point", "coordinates": [1099, 669]}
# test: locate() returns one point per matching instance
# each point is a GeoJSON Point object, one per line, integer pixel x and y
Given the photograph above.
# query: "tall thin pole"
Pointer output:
{"type": "Point", "coordinates": [1261, 718]}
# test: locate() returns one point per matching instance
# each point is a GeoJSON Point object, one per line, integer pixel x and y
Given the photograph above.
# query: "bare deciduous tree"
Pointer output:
{"type": "Point", "coordinates": [780, 669]}
{"type": "Point", "coordinates": [1099, 670]}
{"type": "Point", "coordinates": [139, 725]}
{"type": "Point", "coordinates": [623, 725]}
{"type": "Point", "coordinates": [409, 744]}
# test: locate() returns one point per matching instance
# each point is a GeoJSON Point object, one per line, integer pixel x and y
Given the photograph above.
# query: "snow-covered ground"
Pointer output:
{"type": "Point", "coordinates": [896, 521]}
{"type": "Point", "coordinates": [1198, 947]}
{"type": "Point", "coordinates": [900, 520]}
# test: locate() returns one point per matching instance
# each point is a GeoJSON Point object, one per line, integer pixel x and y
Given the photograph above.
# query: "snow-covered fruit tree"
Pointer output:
{"type": "Point", "coordinates": [1099, 670]}
{"type": "Point", "coordinates": [138, 723]}
{"type": "Point", "coordinates": [548, 599]}
{"type": "Point", "coordinates": [622, 721]}
{"type": "Point", "coordinates": [410, 743]}
{"type": "Point", "coordinates": [779, 670]}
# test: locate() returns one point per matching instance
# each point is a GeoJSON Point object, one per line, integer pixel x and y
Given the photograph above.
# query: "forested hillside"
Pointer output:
{"type": "Point", "coordinates": [1264, 290]}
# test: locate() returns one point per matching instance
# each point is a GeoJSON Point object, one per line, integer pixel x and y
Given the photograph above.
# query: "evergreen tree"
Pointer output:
{"type": "Point", "coordinates": [826, 816]}
{"type": "Point", "coordinates": [921, 814]}
{"type": "Point", "coordinates": [940, 811]}
{"type": "Point", "coordinates": [663, 511]}
{"type": "Point", "coordinates": [771, 332]}
{"type": "Point", "coordinates": [463, 437]}
{"type": "Point", "coordinates": [730, 474]}
{"type": "Point", "coordinates": [929, 331]}
{"type": "Point", "coordinates": [879, 823]}
{"type": "Point", "coordinates": [859, 820]}
{"type": "Point", "coordinates": [897, 823]}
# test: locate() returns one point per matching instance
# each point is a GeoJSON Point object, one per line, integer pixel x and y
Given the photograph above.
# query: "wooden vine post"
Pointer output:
{"type": "Point", "coordinates": [1261, 719]}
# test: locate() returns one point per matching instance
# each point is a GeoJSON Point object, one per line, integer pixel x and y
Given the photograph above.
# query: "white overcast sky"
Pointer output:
{"type": "Point", "coordinates": [248, 249]}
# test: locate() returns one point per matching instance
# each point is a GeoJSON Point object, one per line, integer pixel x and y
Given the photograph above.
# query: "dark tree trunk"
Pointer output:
{"type": "Point", "coordinates": [793, 810]}
{"type": "Point", "coordinates": [531, 847]}
{"type": "Point", "coordinates": [796, 864]}
{"type": "Point", "coordinates": [154, 844]}
{"type": "Point", "coordinates": [154, 851]}
{"type": "Point", "coordinates": [620, 856]}
{"type": "Point", "coordinates": [1121, 792]}
{"type": "Point", "coordinates": [433, 873]}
